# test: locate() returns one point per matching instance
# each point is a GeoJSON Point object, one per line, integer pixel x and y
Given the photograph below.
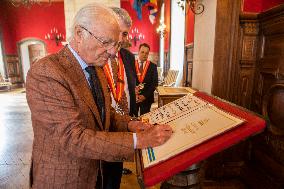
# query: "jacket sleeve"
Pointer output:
{"type": "Point", "coordinates": [55, 113]}
{"type": "Point", "coordinates": [150, 90]}
{"type": "Point", "coordinates": [120, 123]}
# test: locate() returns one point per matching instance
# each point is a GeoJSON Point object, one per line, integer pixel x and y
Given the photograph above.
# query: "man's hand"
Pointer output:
{"type": "Point", "coordinates": [138, 126]}
{"type": "Point", "coordinates": [140, 98]}
{"type": "Point", "coordinates": [154, 136]}
{"type": "Point", "coordinates": [137, 90]}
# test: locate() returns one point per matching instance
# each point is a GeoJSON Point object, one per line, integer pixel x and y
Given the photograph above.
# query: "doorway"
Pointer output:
{"type": "Point", "coordinates": [2, 65]}
{"type": "Point", "coordinates": [30, 50]}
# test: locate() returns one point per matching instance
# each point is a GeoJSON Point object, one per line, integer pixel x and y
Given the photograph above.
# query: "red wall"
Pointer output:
{"type": "Point", "coordinates": [267, 4]}
{"type": "Point", "coordinates": [5, 31]}
{"type": "Point", "coordinates": [144, 26]}
{"type": "Point", "coordinates": [20, 23]}
{"type": "Point", "coordinates": [167, 23]}
{"type": "Point", "coordinates": [260, 5]}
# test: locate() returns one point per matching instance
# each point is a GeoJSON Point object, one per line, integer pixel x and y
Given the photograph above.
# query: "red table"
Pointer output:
{"type": "Point", "coordinates": [163, 171]}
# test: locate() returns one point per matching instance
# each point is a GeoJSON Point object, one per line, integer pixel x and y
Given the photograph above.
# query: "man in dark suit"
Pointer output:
{"type": "Point", "coordinates": [120, 73]}
{"type": "Point", "coordinates": [71, 109]}
{"type": "Point", "coordinates": [147, 79]}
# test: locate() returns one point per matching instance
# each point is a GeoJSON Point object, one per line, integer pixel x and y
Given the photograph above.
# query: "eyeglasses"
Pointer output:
{"type": "Point", "coordinates": [107, 44]}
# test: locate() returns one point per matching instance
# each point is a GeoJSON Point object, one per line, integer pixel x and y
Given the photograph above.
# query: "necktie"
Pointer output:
{"type": "Point", "coordinates": [123, 104]}
{"type": "Point", "coordinates": [141, 67]}
{"type": "Point", "coordinates": [97, 91]}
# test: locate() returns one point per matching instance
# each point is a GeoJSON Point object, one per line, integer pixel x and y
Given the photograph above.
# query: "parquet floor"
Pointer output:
{"type": "Point", "coordinates": [15, 141]}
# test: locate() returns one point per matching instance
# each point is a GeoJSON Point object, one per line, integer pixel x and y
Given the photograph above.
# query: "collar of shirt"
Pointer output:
{"type": "Point", "coordinates": [141, 62]}
{"type": "Point", "coordinates": [82, 63]}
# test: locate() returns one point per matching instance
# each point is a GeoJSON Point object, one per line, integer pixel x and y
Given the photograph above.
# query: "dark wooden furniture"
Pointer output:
{"type": "Point", "coordinates": [266, 165]}
{"type": "Point", "coordinates": [253, 71]}
{"type": "Point", "coordinates": [169, 94]}
{"type": "Point", "coordinates": [14, 70]}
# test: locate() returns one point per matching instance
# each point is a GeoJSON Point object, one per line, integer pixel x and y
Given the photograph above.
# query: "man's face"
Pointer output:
{"type": "Point", "coordinates": [123, 36]}
{"type": "Point", "coordinates": [99, 44]}
{"type": "Point", "coordinates": [143, 53]}
{"type": "Point", "coordinates": [123, 32]}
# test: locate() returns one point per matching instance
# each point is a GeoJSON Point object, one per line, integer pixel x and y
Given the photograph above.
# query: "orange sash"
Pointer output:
{"type": "Point", "coordinates": [141, 76]}
{"type": "Point", "coordinates": [118, 88]}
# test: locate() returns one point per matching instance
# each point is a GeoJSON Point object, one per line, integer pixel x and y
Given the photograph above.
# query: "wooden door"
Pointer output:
{"type": "Point", "coordinates": [36, 51]}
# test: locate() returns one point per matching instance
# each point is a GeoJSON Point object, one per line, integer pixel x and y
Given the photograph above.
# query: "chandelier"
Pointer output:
{"type": "Point", "coordinates": [26, 3]}
{"type": "Point", "coordinates": [136, 36]}
{"type": "Point", "coordinates": [54, 35]}
{"type": "Point", "coordinates": [196, 8]}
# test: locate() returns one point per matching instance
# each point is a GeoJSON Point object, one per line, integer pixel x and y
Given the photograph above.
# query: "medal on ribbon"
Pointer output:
{"type": "Point", "coordinates": [141, 86]}
{"type": "Point", "coordinates": [141, 76]}
{"type": "Point", "coordinates": [118, 87]}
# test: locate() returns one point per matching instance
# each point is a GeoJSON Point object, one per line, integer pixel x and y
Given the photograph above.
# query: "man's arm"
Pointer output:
{"type": "Point", "coordinates": [154, 83]}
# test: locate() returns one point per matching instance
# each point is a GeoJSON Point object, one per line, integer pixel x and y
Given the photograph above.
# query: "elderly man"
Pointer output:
{"type": "Point", "coordinates": [71, 113]}
{"type": "Point", "coordinates": [120, 73]}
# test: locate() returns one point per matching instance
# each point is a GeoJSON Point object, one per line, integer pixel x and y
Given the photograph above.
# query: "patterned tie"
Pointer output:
{"type": "Point", "coordinates": [123, 104]}
{"type": "Point", "coordinates": [97, 91]}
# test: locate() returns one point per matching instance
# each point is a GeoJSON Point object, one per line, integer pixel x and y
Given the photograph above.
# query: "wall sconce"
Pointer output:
{"type": "Point", "coordinates": [196, 8]}
{"type": "Point", "coordinates": [54, 35]}
{"type": "Point", "coordinates": [135, 36]}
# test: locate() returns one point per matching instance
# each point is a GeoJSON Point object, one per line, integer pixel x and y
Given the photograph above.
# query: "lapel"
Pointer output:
{"type": "Point", "coordinates": [106, 93]}
{"type": "Point", "coordinates": [130, 74]}
{"type": "Point", "coordinates": [129, 64]}
{"type": "Point", "coordinates": [148, 75]}
{"type": "Point", "coordinates": [77, 78]}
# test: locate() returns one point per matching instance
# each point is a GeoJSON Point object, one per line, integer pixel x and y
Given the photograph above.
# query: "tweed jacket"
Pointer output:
{"type": "Point", "coordinates": [69, 137]}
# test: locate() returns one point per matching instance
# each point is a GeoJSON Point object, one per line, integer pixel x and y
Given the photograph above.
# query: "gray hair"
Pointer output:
{"type": "Point", "coordinates": [123, 15]}
{"type": "Point", "coordinates": [86, 16]}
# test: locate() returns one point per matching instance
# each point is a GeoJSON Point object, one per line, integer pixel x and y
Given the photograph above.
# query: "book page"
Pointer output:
{"type": "Point", "coordinates": [195, 124]}
{"type": "Point", "coordinates": [175, 109]}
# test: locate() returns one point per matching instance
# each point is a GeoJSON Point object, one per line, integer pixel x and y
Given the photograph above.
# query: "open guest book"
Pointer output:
{"type": "Point", "coordinates": [193, 121]}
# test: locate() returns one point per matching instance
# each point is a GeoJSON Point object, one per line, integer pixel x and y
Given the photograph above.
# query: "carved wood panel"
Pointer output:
{"type": "Point", "coordinates": [258, 85]}
{"type": "Point", "coordinates": [13, 69]}
{"type": "Point", "coordinates": [245, 86]}
{"type": "Point", "coordinates": [265, 169]}
{"type": "Point", "coordinates": [248, 49]}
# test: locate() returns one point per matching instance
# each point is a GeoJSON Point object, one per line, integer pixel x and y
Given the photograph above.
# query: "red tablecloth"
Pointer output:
{"type": "Point", "coordinates": [167, 169]}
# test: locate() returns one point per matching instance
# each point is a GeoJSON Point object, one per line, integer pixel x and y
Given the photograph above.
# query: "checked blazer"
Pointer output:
{"type": "Point", "coordinates": [69, 138]}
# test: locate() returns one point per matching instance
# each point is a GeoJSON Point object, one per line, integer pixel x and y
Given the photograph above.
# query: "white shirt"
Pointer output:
{"type": "Point", "coordinates": [140, 62]}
